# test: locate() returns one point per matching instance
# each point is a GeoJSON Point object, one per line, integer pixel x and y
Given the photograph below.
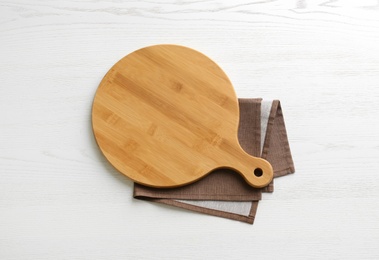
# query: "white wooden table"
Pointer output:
{"type": "Point", "coordinates": [60, 199]}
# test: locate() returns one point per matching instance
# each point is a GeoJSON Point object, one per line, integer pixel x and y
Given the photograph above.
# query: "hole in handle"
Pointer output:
{"type": "Point", "coordinates": [258, 172]}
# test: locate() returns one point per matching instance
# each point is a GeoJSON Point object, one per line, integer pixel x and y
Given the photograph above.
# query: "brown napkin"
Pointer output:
{"type": "Point", "coordinates": [224, 193]}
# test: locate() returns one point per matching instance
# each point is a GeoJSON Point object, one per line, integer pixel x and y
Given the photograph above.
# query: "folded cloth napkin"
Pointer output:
{"type": "Point", "coordinates": [224, 193]}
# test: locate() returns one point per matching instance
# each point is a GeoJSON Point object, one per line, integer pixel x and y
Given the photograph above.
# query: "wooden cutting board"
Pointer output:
{"type": "Point", "coordinates": [167, 115]}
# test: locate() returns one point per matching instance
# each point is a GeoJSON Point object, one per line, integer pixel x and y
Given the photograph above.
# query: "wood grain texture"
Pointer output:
{"type": "Point", "coordinates": [60, 199]}
{"type": "Point", "coordinates": [167, 115]}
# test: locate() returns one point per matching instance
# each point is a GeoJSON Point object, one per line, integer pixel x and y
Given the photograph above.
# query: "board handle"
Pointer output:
{"type": "Point", "coordinates": [257, 172]}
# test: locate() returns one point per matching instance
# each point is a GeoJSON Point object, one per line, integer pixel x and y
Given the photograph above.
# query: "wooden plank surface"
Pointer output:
{"type": "Point", "coordinates": [60, 199]}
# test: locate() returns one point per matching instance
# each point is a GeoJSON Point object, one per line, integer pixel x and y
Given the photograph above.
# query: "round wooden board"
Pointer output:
{"type": "Point", "coordinates": [167, 115]}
